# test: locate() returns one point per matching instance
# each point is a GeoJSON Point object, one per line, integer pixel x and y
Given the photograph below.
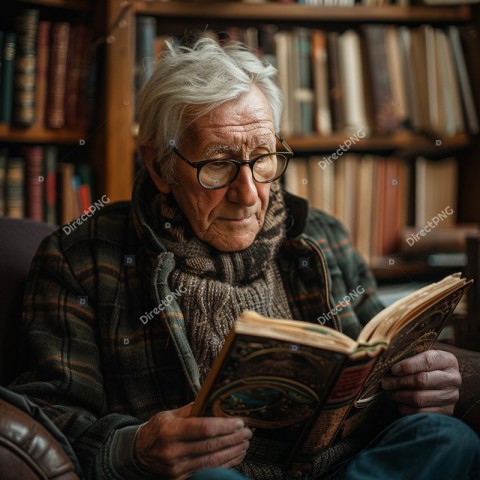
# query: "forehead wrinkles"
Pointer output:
{"type": "Point", "coordinates": [238, 142]}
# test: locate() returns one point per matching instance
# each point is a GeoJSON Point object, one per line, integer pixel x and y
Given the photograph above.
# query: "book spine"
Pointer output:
{"type": "Point", "coordinates": [304, 94]}
{"type": "Point", "coordinates": [385, 121]}
{"type": "Point", "coordinates": [67, 194]}
{"type": "Point", "coordinates": [465, 87]}
{"type": "Point", "coordinates": [14, 187]}
{"type": "Point", "coordinates": [2, 34]}
{"type": "Point", "coordinates": [77, 71]}
{"type": "Point", "coordinates": [3, 174]}
{"type": "Point", "coordinates": [145, 44]}
{"type": "Point", "coordinates": [8, 63]}
{"type": "Point", "coordinates": [57, 75]}
{"type": "Point", "coordinates": [26, 23]}
{"type": "Point", "coordinates": [34, 181]}
{"type": "Point", "coordinates": [85, 65]}
{"type": "Point", "coordinates": [42, 71]}
{"type": "Point", "coordinates": [335, 83]}
{"type": "Point", "coordinates": [50, 193]}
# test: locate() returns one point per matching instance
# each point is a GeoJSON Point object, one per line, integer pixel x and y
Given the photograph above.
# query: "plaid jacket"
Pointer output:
{"type": "Point", "coordinates": [98, 371]}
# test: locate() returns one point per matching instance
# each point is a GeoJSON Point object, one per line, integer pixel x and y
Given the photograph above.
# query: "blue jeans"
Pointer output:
{"type": "Point", "coordinates": [424, 446]}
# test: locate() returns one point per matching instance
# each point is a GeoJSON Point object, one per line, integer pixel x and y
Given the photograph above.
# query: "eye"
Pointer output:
{"type": "Point", "coordinates": [218, 166]}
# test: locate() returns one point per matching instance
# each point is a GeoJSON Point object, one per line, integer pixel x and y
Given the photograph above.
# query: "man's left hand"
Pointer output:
{"type": "Point", "coordinates": [425, 383]}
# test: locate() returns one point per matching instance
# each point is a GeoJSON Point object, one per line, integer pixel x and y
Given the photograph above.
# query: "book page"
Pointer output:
{"type": "Point", "coordinates": [415, 337]}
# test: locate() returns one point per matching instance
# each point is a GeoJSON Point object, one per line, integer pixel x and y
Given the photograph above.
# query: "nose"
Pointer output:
{"type": "Point", "coordinates": [243, 190]}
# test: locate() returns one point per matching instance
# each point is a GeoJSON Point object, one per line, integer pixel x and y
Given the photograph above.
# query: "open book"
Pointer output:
{"type": "Point", "coordinates": [300, 386]}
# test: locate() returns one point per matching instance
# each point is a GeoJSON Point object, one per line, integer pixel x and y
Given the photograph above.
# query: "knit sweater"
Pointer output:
{"type": "Point", "coordinates": [105, 337]}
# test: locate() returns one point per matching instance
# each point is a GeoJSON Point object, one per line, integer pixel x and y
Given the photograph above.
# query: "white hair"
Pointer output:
{"type": "Point", "coordinates": [189, 82]}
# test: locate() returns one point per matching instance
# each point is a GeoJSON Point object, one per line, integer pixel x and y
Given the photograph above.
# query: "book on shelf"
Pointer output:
{"type": "Point", "coordinates": [145, 34]}
{"type": "Point", "coordinates": [454, 34]}
{"type": "Point", "coordinates": [323, 118]}
{"type": "Point", "coordinates": [385, 120]}
{"type": "Point", "coordinates": [41, 74]}
{"type": "Point", "coordinates": [15, 187]}
{"type": "Point", "coordinates": [50, 197]}
{"type": "Point", "coordinates": [34, 173]}
{"type": "Point", "coordinates": [3, 174]}
{"type": "Point", "coordinates": [26, 26]}
{"type": "Point", "coordinates": [6, 79]}
{"type": "Point", "coordinates": [300, 386]}
{"type": "Point", "coordinates": [35, 185]}
{"type": "Point", "coordinates": [76, 76]}
{"type": "Point", "coordinates": [436, 191]}
{"type": "Point", "coordinates": [57, 75]}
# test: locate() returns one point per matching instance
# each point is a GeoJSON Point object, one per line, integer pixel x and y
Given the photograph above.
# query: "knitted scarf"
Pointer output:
{"type": "Point", "coordinates": [220, 285]}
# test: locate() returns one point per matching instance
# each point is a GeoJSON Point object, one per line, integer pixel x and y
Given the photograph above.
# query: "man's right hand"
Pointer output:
{"type": "Point", "coordinates": [175, 445]}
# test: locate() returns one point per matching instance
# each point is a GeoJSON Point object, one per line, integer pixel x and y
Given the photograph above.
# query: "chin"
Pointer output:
{"type": "Point", "coordinates": [232, 245]}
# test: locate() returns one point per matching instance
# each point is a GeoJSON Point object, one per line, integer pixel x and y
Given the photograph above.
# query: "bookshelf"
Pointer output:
{"type": "Point", "coordinates": [119, 139]}
{"type": "Point", "coordinates": [39, 134]}
{"type": "Point", "coordinates": [41, 146]}
{"type": "Point", "coordinates": [119, 142]}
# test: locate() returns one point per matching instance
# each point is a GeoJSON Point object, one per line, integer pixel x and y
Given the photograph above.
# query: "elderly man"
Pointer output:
{"type": "Point", "coordinates": [125, 315]}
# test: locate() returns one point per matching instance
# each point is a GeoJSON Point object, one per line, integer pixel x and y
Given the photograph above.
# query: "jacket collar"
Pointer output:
{"type": "Point", "coordinates": [297, 214]}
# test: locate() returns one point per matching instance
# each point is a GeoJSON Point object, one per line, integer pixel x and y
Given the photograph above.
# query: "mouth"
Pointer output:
{"type": "Point", "coordinates": [239, 220]}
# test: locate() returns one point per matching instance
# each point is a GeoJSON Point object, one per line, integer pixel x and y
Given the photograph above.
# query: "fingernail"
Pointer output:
{"type": "Point", "coordinates": [239, 424]}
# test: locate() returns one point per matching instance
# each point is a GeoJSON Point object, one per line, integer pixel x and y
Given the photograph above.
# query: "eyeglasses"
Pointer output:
{"type": "Point", "coordinates": [266, 168]}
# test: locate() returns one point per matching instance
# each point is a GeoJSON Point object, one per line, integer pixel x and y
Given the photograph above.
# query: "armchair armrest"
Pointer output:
{"type": "Point", "coordinates": [28, 450]}
{"type": "Point", "coordinates": [468, 406]}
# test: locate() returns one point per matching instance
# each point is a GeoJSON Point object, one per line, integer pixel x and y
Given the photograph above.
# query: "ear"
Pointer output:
{"type": "Point", "coordinates": [149, 158]}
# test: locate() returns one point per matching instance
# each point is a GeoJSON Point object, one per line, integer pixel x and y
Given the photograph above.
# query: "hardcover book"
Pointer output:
{"type": "Point", "coordinates": [55, 113]}
{"type": "Point", "coordinates": [26, 26]}
{"type": "Point", "coordinates": [300, 385]}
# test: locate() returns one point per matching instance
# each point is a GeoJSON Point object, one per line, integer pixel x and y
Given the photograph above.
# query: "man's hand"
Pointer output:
{"type": "Point", "coordinates": [425, 383]}
{"type": "Point", "coordinates": [175, 445]}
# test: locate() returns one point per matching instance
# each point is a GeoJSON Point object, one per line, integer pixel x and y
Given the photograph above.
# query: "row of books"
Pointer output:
{"type": "Point", "coordinates": [35, 184]}
{"type": "Point", "coordinates": [379, 79]}
{"type": "Point", "coordinates": [44, 72]}
{"type": "Point", "coordinates": [378, 198]}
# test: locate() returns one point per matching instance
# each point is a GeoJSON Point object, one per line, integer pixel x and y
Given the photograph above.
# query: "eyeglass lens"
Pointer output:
{"type": "Point", "coordinates": [266, 169]}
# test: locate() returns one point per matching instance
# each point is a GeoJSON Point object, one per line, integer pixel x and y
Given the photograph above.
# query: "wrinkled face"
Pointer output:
{"type": "Point", "coordinates": [229, 218]}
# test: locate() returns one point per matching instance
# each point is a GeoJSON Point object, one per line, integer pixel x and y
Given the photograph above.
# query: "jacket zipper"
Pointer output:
{"type": "Point", "coordinates": [327, 284]}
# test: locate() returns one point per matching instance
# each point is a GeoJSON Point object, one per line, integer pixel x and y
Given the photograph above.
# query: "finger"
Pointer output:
{"type": "Point", "coordinates": [196, 448]}
{"type": "Point", "coordinates": [424, 398]}
{"type": "Point", "coordinates": [436, 380]}
{"type": "Point", "coordinates": [443, 410]}
{"type": "Point", "coordinates": [171, 467]}
{"type": "Point", "coordinates": [174, 428]}
{"type": "Point", "coordinates": [425, 362]}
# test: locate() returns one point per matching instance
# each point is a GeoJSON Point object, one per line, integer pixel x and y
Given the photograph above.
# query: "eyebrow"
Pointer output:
{"type": "Point", "coordinates": [220, 148]}
{"type": "Point", "coordinates": [223, 148]}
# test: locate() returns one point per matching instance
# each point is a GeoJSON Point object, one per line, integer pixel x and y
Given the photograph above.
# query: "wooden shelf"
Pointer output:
{"type": "Point", "coordinates": [401, 141]}
{"type": "Point", "coordinates": [79, 5]}
{"type": "Point", "coordinates": [407, 271]}
{"type": "Point", "coordinates": [304, 13]}
{"type": "Point", "coordinates": [38, 134]}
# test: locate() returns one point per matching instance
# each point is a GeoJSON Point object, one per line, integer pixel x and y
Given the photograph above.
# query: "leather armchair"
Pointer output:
{"type": "Point", "coordinates": [31, 447]}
